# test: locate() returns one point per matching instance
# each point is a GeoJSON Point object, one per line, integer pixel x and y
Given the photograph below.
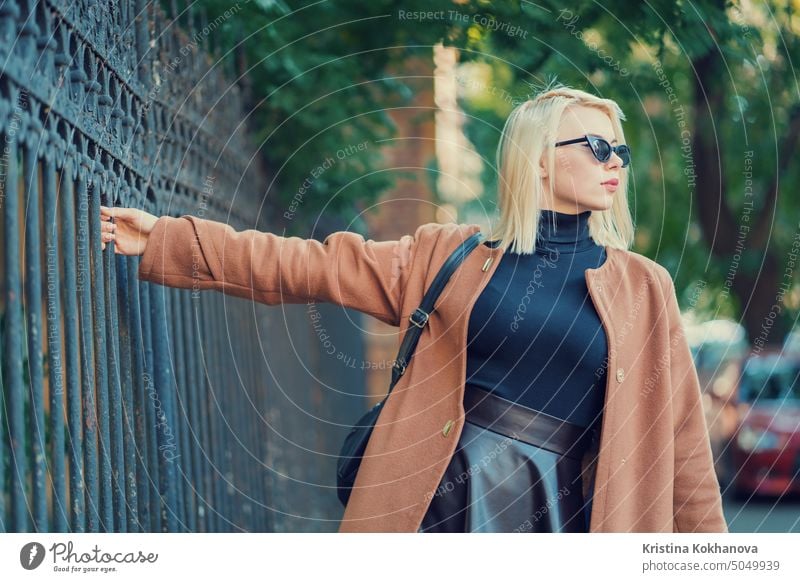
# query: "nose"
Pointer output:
{"type": "Point", "coordinates": [614, 161]}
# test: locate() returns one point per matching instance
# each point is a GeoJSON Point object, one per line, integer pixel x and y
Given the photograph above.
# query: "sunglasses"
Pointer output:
{"type": "Point", "coordinates": [602, 149]}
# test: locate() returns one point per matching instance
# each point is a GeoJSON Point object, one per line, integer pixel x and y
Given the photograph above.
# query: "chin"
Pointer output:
{"type": "Point", "coordinates": [600, 205]}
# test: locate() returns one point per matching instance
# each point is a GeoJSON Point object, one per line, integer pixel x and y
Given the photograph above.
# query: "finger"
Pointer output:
{"type": "Point", "coordinates": [118, 211]}
{"type": "Point", "coordinates": [108, 227]}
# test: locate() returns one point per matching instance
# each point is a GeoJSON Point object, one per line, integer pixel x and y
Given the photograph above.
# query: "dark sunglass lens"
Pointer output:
{"type": "Point", "coordinates": [624, 152]}
{"type": "Point", "coordinates": [601, 149]}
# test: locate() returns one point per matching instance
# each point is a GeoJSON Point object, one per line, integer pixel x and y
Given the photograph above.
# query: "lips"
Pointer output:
{"type": "Point", "coordinates": [611, 182]}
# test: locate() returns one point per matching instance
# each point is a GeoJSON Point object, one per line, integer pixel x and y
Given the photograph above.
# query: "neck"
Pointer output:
{"type": "Point", "coordinates": [566, 232]}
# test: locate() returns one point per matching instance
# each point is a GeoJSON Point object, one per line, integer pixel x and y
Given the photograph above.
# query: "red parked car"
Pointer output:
{"type": "Point", "coordinates": [766, 444]}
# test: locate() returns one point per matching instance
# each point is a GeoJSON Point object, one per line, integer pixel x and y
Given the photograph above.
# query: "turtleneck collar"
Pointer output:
{"type": "Point", "coordinates": [566, 232]}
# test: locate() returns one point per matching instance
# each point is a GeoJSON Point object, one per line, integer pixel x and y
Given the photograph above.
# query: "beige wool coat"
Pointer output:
{"type": "Point", "coordinates": [654, 470]}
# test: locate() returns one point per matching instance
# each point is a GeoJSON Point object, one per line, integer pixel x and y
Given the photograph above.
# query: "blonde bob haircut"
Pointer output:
{"type": "Point", "coordinates": [529, 133]}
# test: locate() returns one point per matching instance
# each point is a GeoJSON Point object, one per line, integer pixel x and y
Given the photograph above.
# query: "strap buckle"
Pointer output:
{"type": "Point", "coordinates": [400, 367]}
{"type": "Point", "coordinates": [422, 314]}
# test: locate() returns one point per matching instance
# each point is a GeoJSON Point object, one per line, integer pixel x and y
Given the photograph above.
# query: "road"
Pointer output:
{"type": "Point", "coordinates": [762, 516]}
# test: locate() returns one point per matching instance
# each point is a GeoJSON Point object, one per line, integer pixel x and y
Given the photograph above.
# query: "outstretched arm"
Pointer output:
{"type": "Point", "coordinates": [345, 269]}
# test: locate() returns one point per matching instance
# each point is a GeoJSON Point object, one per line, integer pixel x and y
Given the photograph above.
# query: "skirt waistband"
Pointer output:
{"type": "Point", "coordinates": [525, 424]}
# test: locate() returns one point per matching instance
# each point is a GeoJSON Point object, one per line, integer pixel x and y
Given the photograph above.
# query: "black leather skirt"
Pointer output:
{"type": "Point", "coordinates": [514, 470]}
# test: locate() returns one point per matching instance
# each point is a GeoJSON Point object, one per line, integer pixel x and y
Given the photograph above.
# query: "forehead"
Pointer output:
{"type": "Point", "coordinates": [580, 120]}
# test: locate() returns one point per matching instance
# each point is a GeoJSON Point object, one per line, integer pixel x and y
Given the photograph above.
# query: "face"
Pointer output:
{"type": "Point", "coordinates": [581, 182]}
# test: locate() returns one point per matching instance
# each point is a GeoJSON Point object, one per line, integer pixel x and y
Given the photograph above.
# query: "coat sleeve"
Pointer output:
{"type": "Point", "coordinates": [199, 254]}
{"type": "Point", "coordinates": [697, 501]}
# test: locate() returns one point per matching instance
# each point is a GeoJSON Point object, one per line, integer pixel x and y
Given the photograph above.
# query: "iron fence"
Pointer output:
{"type": "Point", "coordinates": [129, 406]}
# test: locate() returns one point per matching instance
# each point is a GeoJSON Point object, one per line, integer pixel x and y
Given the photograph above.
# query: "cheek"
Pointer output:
{"type": "Point", "coordinates": [574, 174]}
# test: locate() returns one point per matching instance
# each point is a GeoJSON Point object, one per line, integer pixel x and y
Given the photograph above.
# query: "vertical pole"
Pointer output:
{"type": "Point", "coordinates": [54, 356]}
{"type": "Point", "coordinates": [137, 414]}
{"type": "Point", "coordinates": [13, 353]}
{"type": "Point", "coordinates": [112, 332]}
{"type": "Point", "coordinates": [84, 288]}
{"type": "Point", "coordinates": [154, 477]}
{"type": "Point", "coordinates": [33, 305]}
{"type": "Point", "coordinates": [71, 343]}
{"type": "Point", "coordinates": [125, 333]}
{"type": "Point", "coordinates": [164, 416]}
{"type": "Point", "coordinates": [101, 362]}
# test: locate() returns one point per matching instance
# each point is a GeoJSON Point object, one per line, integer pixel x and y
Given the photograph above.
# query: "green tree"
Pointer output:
{"type": "Point", "coordinates": [707, 87]}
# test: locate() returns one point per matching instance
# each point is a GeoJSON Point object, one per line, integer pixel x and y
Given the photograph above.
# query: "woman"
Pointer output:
{"type": "Point", "coordinates": [506, 419]}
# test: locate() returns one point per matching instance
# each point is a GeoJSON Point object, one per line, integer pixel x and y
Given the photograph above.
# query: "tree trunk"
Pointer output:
{"type": "Point", "coordinates": [755, 283]}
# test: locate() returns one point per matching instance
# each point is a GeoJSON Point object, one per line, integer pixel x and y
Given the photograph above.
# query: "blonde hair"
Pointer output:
{"type": "Point", "coordinates": [530, 132]}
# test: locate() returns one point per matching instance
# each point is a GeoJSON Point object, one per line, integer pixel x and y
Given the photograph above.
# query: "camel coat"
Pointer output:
{"type": "Point", "coordinates": [654, 471]}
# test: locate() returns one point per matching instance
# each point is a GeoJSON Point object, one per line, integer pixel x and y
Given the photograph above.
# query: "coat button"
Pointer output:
{"type": "Point", "coordinates": [448, 426]}
{"type": "Point", "coordinates": [620, 374]}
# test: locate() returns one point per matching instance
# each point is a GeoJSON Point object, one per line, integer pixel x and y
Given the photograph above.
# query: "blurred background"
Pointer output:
{"type": "Point", "coordinates": [713, 118]}
{"type": "Point", "coordinates": [378, 117]}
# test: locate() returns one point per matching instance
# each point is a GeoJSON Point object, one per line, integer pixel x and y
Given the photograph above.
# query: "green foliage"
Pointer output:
{"type": "Point", "coordinates": [324, 75]}
{"type": "Point", "coordinates": [322, 93]}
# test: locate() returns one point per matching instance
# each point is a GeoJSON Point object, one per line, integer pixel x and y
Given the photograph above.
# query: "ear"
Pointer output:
{"type": "Point", "coordinates": [542, 167]}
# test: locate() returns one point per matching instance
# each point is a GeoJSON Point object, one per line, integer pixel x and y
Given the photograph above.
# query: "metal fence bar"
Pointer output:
{"type": "Point", "coordinates": [250, 424]}
{"type": "Point", "coordinates": [3, 443]}
{"type": "Point", "coordinates": [101, 367]}
{"type": "Point", "coordinates": [33, 308]}
{"type": "Point", "coordinates": [164, 410]}
{"type": "Point", "coordinates": [233, 416]}
{"type": "Point", "coordinates": [117, 456]}
{"type": "Point", "coordinates": [171, 453]}
{"type": "Point", "coordinates": [223, 434]}
{"type": "Point", "coordinates": [60, 509]}
{"type": "Point", "coordinates": [217, 470]}
{"type": "Point", "coordinates": [13, 354]}
{"type": "Point", "coordinates": [227, 385]}
{"type": "Point", "coordinates": [237, 410]}
{"type": "Point", "coordinates": [183, 363]}
{"type": "Point", "coordinates": [242, 404]}
{"type": "Point", "coordinates": [260, 374]}
{"type": "Point", "coordinates": [177, 355]}
{"type": "Point", "coordinates": [259, 430]}
{"type": "Point", "coordinates": [136, 404]}
{"type": "Point", "coordinates": [84, 288]}
{"type": "Point", "coordinates": [77, 505]}
{"type": "Point", "coordinates": [125, 406]}
{"type": "Point", "coordinates": [127, 369]}
{"type": "Point", "coordinates": [174, 453]}
{"type": "Point", "coordinates": [253, 425]}
{"type": "Point", "coordinates": [257, 434]}
{"type": "Point", "coordinates": [249, 457]}
{"type": "Point", "coordinates": [177, 406]}
{"type": "Point", "coordinates": [151, 422]}
{"type": "Point", "coordinates": [194, 429]}
{"type": "Point", "coordinates": [200, 324]}
{"type": "Point", "coordinates": [3, 446]}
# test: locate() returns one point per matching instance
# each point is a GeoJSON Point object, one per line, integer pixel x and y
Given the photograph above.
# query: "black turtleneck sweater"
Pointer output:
{"type": "Point", "coordinates": [534, 336]}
